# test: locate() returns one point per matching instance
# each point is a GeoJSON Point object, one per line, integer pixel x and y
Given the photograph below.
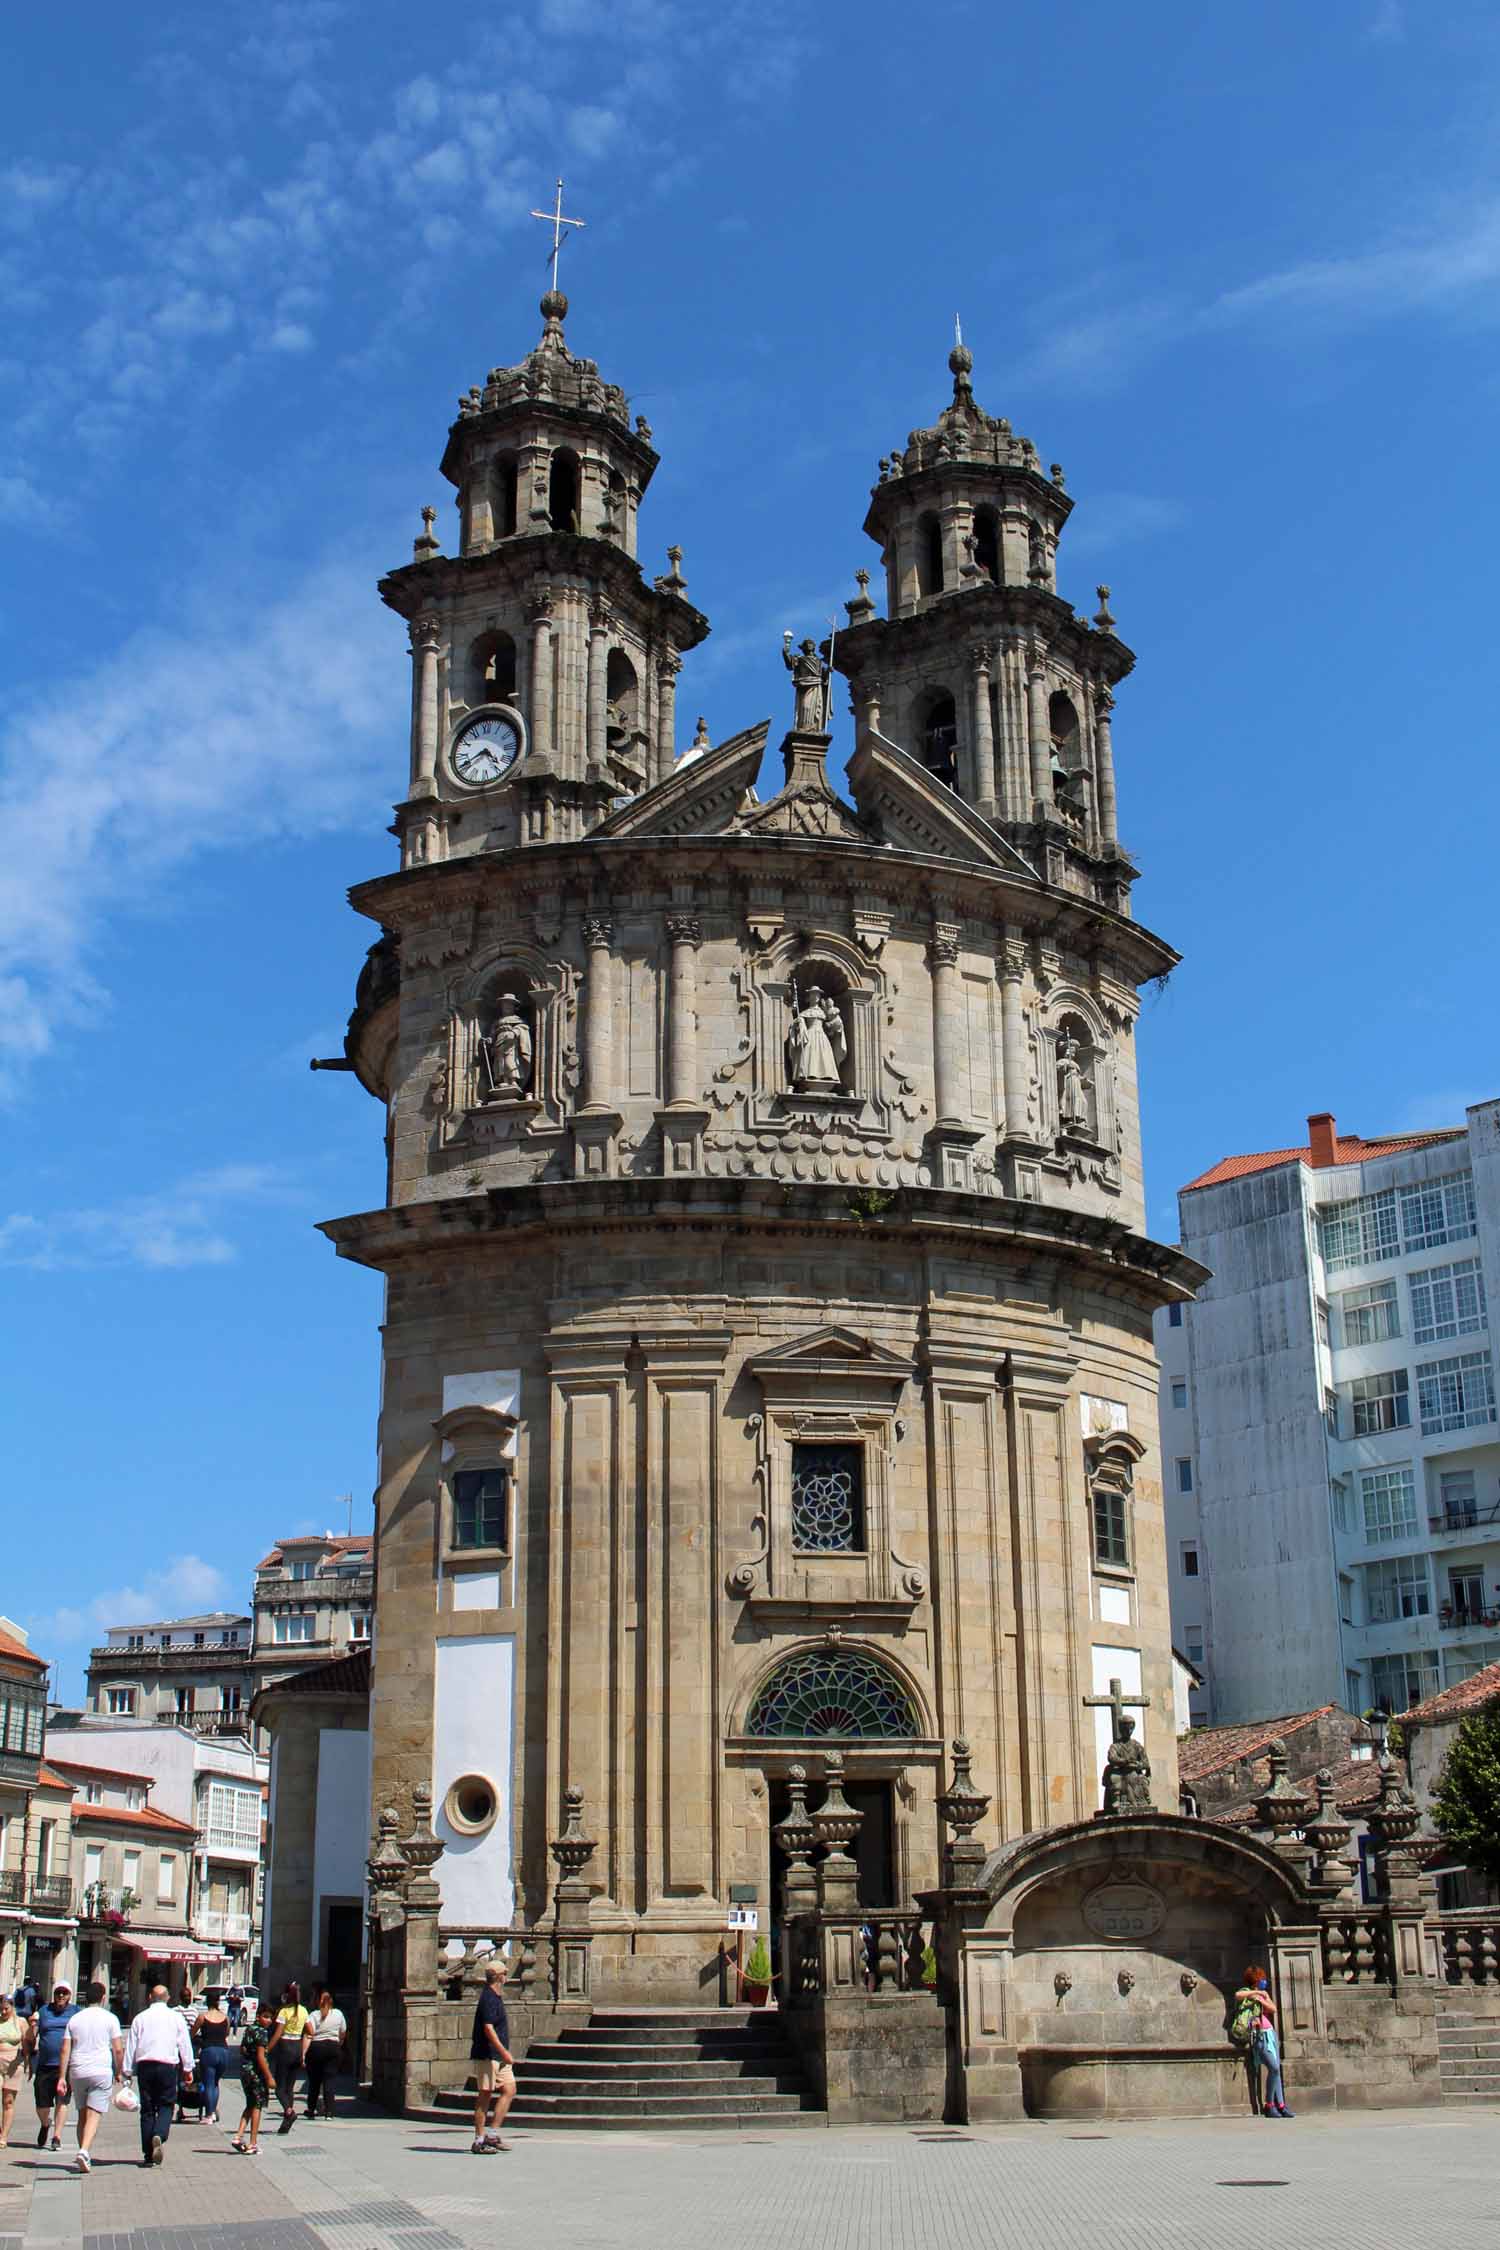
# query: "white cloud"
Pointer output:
{"type": "Point", "coordinates": [186, 1586]}
{"type": "Point", "coordinates": [182, 744]}
{"type": "Point", "coordinates": [593, 130]}
{"type": "Point", "coordinates": [1412, 275]}
{"type": "Point", "coordinates": [1387, 27]}
{"type": "Point", "coordinates": [181, 1225]}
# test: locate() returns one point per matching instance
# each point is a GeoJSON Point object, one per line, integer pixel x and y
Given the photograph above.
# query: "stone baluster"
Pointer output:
{"type": "Point", "coordinates": [426, 634]}
{"type": "Point", "coordinates": [887, 1955]}
{"type": "Point", "coordinates": [986, 781]}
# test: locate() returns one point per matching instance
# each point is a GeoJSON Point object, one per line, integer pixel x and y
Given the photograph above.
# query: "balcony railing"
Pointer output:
{"type": "Point", "coordinates": [1466, 1516]}
{"type": "Point", "coordinates": [206, 1722]}
{"type": "Point", "coordinates": [12, 1886]}
{"type": "Point", "coordinates": [52, 1894]}
{"type": "Point", "coordinates": [106, 1899]}
{"type": "Point", "coordinates": [223, 1924]}
{"type": "Point", "coordinates": [1456, 1614]}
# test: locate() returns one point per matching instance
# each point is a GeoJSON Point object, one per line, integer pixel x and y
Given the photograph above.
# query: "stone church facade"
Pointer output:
{"type": "Point", "coordinates": [767, 1350]}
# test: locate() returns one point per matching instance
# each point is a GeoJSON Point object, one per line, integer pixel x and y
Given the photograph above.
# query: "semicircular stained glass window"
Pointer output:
{"type": "Point", "coordinates": [832, 1693]}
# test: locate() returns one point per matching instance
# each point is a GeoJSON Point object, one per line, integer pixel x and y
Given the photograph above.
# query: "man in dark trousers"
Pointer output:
{"type": "Point", "coordinates": [159, 2055]}
{"type": "Point", "coordinates": [489, 2051]}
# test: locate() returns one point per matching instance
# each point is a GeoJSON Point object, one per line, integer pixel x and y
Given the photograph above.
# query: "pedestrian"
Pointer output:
{"type": "Point", "coordinates": [236, 2006]}
{"type": "Point", "coordinates": [189, 2010]}
{"type": "Point", "coordinates": [286, 2052]}
{"type": "Point", "coordinates": [15, 2051]}
{"type": "Point", "coordinates": [26, 1997]}
{"type": "Point", "coordinates": [1254, 2000]}
{"type": "Point", "coordinates": [92, 2067]}
{"type": "Point", "coordinates": [494, 2074]}
{"type": "Point", "coordinates": [215, 2059]}
{"type": "Point", "coordinates": [49, 2027]}
{"type": "Point", "coordinates": [159, 2056]}
{"type": "Point", "coordinates": [255, 2077]}
{"type": "Point", "coordinates": [323, 2045]}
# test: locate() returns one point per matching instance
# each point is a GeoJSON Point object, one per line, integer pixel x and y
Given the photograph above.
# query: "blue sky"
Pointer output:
{"type": "Point", "coordinates": [1238, 269]}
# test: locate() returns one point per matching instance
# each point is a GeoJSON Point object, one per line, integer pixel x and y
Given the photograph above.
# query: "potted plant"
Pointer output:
{"type": "Point", "coordinates": [755, 1985]}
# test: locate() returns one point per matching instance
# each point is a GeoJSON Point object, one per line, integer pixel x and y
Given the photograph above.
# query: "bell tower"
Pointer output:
{"type": "Point", "coordinates": [978, 668]}
{"type": "Point", "coordinates": [544, 666]}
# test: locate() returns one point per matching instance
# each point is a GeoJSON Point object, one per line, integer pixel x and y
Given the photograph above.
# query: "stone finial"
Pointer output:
{"type": "Point", "coordinates": [572, 1850]}
{"type": "Point", "coordinates": [836, 1822]}
{"type": "Point", "coordinates": [1328, 1834]}
{"type": "Point", "coordinates": [1393, 1817]}
{"type": "Point", "coordinates": [1279, 1806]}
{"type": "Point", "coordinates": [672, 581]}
{"type": "Point", "coordinates": [796, 1835]}
{"type": "Point", "coordinates": [1057, 476]}
{"type": "Point", "coordinates": [426, 544]}
{"type": "Point", "coordinates": [643, 429]}
{"type": "Point", "coordinates": [1104, 616]}
{"type": "Point", "coordinates": [861, 607]}
{"type": "Point", "coordinates": [961, 1807]}
{"type": "Point", "coordinates": [420, 1845]}
{"type": "Point", "coordinates": [387, 1865]}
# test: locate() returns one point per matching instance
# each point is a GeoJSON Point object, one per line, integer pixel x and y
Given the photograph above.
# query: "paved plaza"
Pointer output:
{"type": "Point", "coordinates": [369, 2182]}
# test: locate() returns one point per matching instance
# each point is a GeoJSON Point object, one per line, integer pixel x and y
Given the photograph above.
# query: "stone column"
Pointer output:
{"type": "Point", "coordinates": [682, 1121]}
{"type": "Point", "coordinates": [947, 1023]}
{"type": "Point", "coordinates": [540, 614]}
{"type": "Point", "coordinates": [1012, 966]}
{"type": "Point", "coordinates": [598, 1025]}
{"type": "Point", "coordinates": [986, 781]}
{"type": "Point", "coordinates": [1104, 768]}
{"type": "Point", "coordinates": [1039, 729]}
{"type": "Point", "coordinates": [594, 749]}
{"type": "Point", "coordinates": [426, 636]}
{"type": "Point", "coordinates": [667, 669]}
{"type": "Point", "coordinates": [870, 708]}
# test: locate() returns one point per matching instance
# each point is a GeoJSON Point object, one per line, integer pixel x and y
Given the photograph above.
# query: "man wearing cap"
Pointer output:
{"type": "Point", "coordinates": [51, 2027]}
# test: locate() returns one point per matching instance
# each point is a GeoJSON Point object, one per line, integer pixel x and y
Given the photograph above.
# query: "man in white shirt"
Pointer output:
{"type": "Point", "coordinates": [93, 2056]}
{"type": "Point", "coordinates": [158, 2054]}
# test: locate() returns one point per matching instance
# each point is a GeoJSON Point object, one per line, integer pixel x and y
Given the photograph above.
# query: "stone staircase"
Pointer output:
{"type": "Point", "coordinates": [1468, 2055]}
{"type": "Point", "coordinates": [659, 2069]}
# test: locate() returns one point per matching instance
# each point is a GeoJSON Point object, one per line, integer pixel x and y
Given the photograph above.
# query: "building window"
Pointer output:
{"type": "Point", "coordinates": [1371, 1315]}
{"type": "Point", "coordinates": [1396, 1682]}
{"type": "Point", "coordinates": [1331, 1413]}
{"type": "Point", "coordinates": [1396, 1589]}
{"type": "Point", "coordinates": [93, 1792]}
{"type": "Point", "coordinates": [1447, 1301]}
{"type": "Point", "coordinates": [1111, 1500]}
{"type": "Point", "coordinates": [1189, 1558]}
{"type": "Point", "coordinates": [1184, 1475]}
{"type": "Point", "coordinates": [166, 1879]}
{"type": "Point", "coordinates": [1353, 1694]}
{"type": "Point", "coordinates": [135, 1640]}
{"type": "Point", "coordinates": [1339, 1492]}
{"type": "Point", "coordinates": [1458, 1500]}
{"type": "Point", "coordinates": [199, 1639]}
{"type": "Point", "coordinates": [1389, 1500]}
{"type": "Point", "coordinates": [479, 1507]}
{"type": "Point", "coordinates": [1179, 1395]}
{"type": "Point", "coordinates": [1324, 1336]}
{"type": "Point", "coordinates": [119, 1702]}
{"type": "Point", "coordinates": [1359, 1232]}
{"type": "Point", "coordinates": [1174, 1316]}
{"type": "Point", "coordinates": [1441, 1211]}
{"type": "Point", "coordinates": [296, 1627]}
{"type": "Point", "coordinates": [186, 1702]}
{"type": "Point", "coordinates": [130, 1867]}
{"type": "Point", "coordinates": [1380, 1402]}
{"type": "Point", "coordinates": [1194, 1650]}
{"type": "Point", "coordinates": [233, 1817]}
{"type": "Point", "coordinates": [303, 1567]}
{"type": "Point", "coordinates": [1465, 1604]}
{"type": "Point", "coordinates": [822, 1694]}
{"type": "Point", "coordinates": [828, 1499]}
{"type": "Point", "coordinates": [359, 1625]}
{"type": "Point", "coordinates": [135, 1797]}
{"type": "Point", "coordinates": [1346, 1598]}
{"type": "Point", "coordinates": [1456, 1394]}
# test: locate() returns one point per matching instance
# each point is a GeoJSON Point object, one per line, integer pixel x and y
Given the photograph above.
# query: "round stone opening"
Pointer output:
{"type": "Point", "coordinates": [471, 1804]}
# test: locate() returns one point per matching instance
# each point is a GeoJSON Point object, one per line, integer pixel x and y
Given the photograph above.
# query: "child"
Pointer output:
{"type": "Point", "coordinates": [255, 2076]}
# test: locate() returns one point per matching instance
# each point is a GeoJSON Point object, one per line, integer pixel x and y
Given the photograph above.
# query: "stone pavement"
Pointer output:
{"type": "Point", "coordinates": [375, 2183]}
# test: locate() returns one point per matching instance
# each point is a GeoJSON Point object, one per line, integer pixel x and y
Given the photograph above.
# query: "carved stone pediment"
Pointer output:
{"type": "Point", "coordinates": [808, 804]}
{"type": "Point", "coordinates": [826, 1355]}
{"type": "Point", "coordinates": [700, 798]}
{"type": "Point", "coordinates": [898, 796]}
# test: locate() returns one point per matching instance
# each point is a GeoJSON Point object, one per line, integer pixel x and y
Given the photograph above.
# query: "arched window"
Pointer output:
{"type": "Point", "coordinates": [492, 669]}
{"type": "Point", "coordinates": [503, 489]}
{"type": "Point", "coordinates": [562, 491]}
{"type": "Point", "coordinates": [987, 542]}
{"type": "Point", "coordinates": [613, 522]}
{"type": "Point", "coordinates": [623, 695]}
{"type": "Point", "coordinates": [939, 738]}
{"type": "Point", "coordinates": [832, 1694]}
{"type": "Point", "coordinates": [1062, 721]}
{"type": "Point", "coordinates": [929, 555]}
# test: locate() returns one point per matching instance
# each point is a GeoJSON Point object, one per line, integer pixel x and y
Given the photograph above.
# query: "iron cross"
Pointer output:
{"type": "Point", "coordinates": [558, 223]}
{"type": "Point", "coordinates": [1117, 1703]}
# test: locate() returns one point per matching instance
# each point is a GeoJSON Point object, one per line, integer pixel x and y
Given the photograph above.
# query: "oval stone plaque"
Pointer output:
{"type": "Point", "coordinates": [1124, 1910]}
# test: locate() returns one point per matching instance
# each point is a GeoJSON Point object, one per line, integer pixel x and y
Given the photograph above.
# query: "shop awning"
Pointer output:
{"type": "Point", "coordinates": [167, 1948]}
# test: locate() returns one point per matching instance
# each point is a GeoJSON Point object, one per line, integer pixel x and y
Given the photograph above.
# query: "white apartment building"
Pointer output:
{"type": "Point", "coordinates": [1328, 1423]}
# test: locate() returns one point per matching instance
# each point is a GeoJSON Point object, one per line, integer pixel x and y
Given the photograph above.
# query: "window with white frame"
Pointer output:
{"type": "Point", "coordinates": [135, 1640]}
{"type": "Point", "coordinates": [1447, 1301]}
{"type": "Point", "coordinates": [1397, 1589]}
{"type": "Point", "coordinates": [135, 1796]}
{"type": "Point", "coordinates": [232, 1817]}
{"type": "Point", "coordinates": [1194, 1649]}
{"type": "Point", "coordinates": [1353, 1695]}
{"type": "Point", "coordinates": [298, 1625]}
{"type": "Point", "coordinates": [1388, 1498]}
{"type": "Point", "coordinates": [22, 1712]}
{"type": "Point", "coordinates": [1359, 1232]}
{"type": "Point", "coordinates": [1397, 1682]}
{"type": "Point", "coordinates": [1458, 1498]}
{"type": "Point", "coordinates": [1437, 1212]}
{"type": "Point", "coordinates": [303, 1567]}
{"type": "Point", "coordinates": [119, 1702]}
{"type": "Point", "coordinates": [1184, 1475]}
{"type": "Point", "coordinates": [1380, 1402]}
{"type": "Point", "coordinates": [166, 1879]}
{"type": "Point", "coordinates": [1339, 1493]}
{"type": "Point", "coordinates": [1324, 1335]}
{"type": "Point", "coordinates": [1371, 1315]}
{"type": "Point", "coordinates": [359, 1624]}
{"type": "Point", "coordinates": [130, 1872]}
{"type": "Point", "coordinates": [1179, 1395]}
{"type": "Point", "coordinates": [93, 1792]}
{"type": "Point", "coordinates": [1456, 1394]}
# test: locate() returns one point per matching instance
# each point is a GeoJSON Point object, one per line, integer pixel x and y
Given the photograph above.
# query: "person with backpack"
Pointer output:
{"type": "Point", "coordinates": [1253, 2028]}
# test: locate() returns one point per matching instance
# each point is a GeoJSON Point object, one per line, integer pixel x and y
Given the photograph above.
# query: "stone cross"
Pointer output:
{"type": "Point", "coordinates": [558, 222]}
{"type": "Point", "coordinates": [1117, 1703]}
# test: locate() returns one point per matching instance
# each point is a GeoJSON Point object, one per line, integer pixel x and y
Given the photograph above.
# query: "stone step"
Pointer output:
{"type": "Point", "coordinates": [1466, 2090]}
{"type": "Point", "coordinates": [611, 2102]}
{"type": "Point", "coordinates": [672, 2056]}
{"type": "Point", "coordinates": [731, 2036]}
{"type": "Point", "coordinates": [647, 2075]}
{"type": "Point", "coordinates": [661, 2121]}
{"type": "Point", "coordinates": [1469, 2047]}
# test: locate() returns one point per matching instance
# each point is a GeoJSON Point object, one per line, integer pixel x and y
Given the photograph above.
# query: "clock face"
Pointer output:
{"type": "Point", "coordinates": [486, 750]}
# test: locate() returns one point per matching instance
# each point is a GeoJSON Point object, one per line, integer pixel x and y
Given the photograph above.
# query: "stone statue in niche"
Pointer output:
{"type": "Point", "coordinates": [816, 1044]}
{"type": "Point", "coordinates": [1127, 1772]}
{"type": "Point", "coordinates": [809, 680]}
{"type": "Point", "coordinates": [505, 1057]}
{"type": "Point", "coordinates": [1074, 1110]}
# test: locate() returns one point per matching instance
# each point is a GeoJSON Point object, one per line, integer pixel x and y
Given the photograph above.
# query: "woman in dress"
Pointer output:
{"type": "Point", "coordinates": [15, 2048]}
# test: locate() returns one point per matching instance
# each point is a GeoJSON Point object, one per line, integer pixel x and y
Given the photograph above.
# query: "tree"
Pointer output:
{"type": "Point", "coordinates": [1466, 1802]}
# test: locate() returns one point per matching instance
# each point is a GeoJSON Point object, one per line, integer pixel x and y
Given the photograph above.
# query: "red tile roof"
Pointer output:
{"type": "Point", "coordinates": [361, 1544]}
{"type": "Point", "coordinates": [1356, 1785]}
{"type": "Point", "coordinates": [1455, 1702]}
{"type": "Point", "coordinates": [48, 1778]}
{"type": "Point", "coordinates": [19, 1653]}
{"type": "Point", "coordinates": [98, 1773]}
{"type": "Point", "coordinates": [1210, 1750]}
{"type": "Point", "coordinates": [1348, 1149]}
{"type": "Point", "coordinates": [126, 1816]}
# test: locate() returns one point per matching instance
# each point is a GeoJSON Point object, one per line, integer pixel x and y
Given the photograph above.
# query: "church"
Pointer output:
{"type": "Point", "coordinates": [768, 1355]}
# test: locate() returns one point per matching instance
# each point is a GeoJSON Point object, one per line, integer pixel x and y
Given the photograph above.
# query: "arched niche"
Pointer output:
{"type": "Point", "coordinates": [987, 542]}
{"type": "Point", "coordinates": [1081, 1093]}
{"type": "Point", "coordinates": [491, 669]}
{"type": "Point", "coordinates": [507, 1045]}
{"type": "Point", "coordinates": [504, 486]}
{"type": "Point", "coordinates": [622, 694]}
{"type": "Point", "coordinates": [929, 554]}
{"type": "Point", "coordinates": [564, 487]}
{"type": "Point", "coordinates": [854, 987]}
{"type": "Point", "coordinates": [936, 717]}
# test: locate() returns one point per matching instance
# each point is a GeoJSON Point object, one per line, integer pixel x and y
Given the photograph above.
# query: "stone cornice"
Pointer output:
{"type": "Point", "coordinates": [514, 567]}
{"type": "Point", "coordinates": [981, 611]}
